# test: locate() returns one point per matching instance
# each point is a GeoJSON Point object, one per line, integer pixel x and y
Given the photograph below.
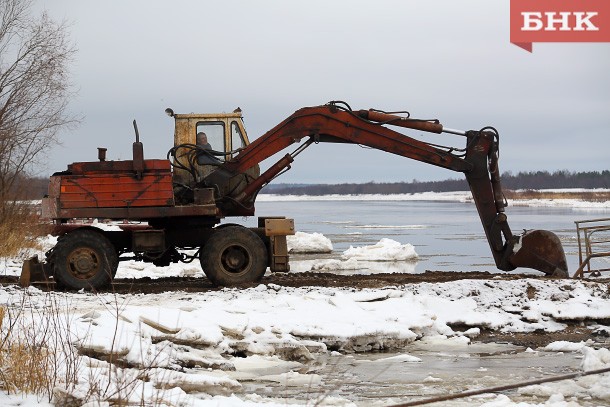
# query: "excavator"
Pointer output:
{"type": "Point", "coordinates": [170, 210]}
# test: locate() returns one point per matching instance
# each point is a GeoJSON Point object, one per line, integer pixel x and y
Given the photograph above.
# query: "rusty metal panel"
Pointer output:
{"type": "Point", "coordinates": [279, 261]}
{"type": "Point", "coordinates": [117, 166]}
{"type": "Point", "coordinates": [139, 213]}
{"type": "Point", "coordinates": [279, 227]}
{"type": "Point", "coordinates": [204, 196]}
{"type": "Point", "coordinates": [33, 270]}
{"type": "Point", "coordinates": [148, 240]}
{"type": "Point", "coordinates": [49, 208]}
{"type": "Point", "coordinates": [54, 186]}
{"type": "Point", "coordinates": [50, 203]}
{"type": "Point", "coordinates": [183, 134]}
{"type": "Point", "coordinates": [116, 190]}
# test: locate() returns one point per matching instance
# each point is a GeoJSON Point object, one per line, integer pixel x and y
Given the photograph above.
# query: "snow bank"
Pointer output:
{"type": "Point", "coordinates": [559, 203]}
{"type": "Point", "coordinates": [189, 342]}
{"type": "Point", "coordinates": [303, 242]}
{"type": "Point", "coordinates": [137, 269]}
{"type": "Point", "coordinates": [385, 250]}
{"type": "Point", "coordinates": [458, 196]}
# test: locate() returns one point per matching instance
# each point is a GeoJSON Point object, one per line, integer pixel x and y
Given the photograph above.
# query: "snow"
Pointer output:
{"type": "Point", "coordinates": [360, 258]}
{"type": "Point", "coordinates": [458, 196]}
{"type": "Point", "coordinates": [335, 265]}
{"type": "Point", "coordinates": [400, 358]}
{"type": "Point", "coordinates": [462, 196]}
{"type": "Point", "coordinates": [280, 329]}
{"type": "Point", "coordinates": [136, 269]}
{"type": "Point", "coordinates": [302, 242]}
{"type": "Point", "coordinates": [564, 346]}
{"type": "Point", "coordinates": [385, 250]}
{"type": "Point", "coordinates": [593, 386]}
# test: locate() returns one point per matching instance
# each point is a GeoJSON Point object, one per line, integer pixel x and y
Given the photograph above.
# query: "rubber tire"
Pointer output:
{"type": "Point", "coordinates": [233, 255]}
{"type": "Point", "coordinates": [90, 245]}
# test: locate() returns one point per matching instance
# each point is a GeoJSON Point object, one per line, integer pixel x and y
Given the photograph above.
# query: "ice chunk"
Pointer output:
{"type": "Point", "coordinates": [400, 358]}
{"type": "Point", "coordinates": [303, 242]}
{"type": "Point", "coordinates": [564, 346]}
{"type": "Point", "coordinates": [595, 359]}
{"type": "Point", "coordinates": [334, 265]}
{"type": "Point", "coordinates": [384, 250]}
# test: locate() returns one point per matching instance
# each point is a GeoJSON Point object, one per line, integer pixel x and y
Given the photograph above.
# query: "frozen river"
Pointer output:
{"type": "Point", "coordinates": [447, 236]}
{"type": "Point", "coordinates": [389, 378]}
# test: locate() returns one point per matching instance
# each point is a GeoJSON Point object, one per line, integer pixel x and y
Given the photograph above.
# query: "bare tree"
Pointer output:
{"type": "Point", "coordinates": [35, 54]}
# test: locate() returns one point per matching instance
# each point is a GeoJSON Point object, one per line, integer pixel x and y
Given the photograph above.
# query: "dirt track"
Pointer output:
{"type": "Point", "coordinates": [190, 284]}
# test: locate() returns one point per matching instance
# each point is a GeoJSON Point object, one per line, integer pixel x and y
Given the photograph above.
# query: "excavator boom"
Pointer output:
{"type": "Point", "coordinates": [336, 122]}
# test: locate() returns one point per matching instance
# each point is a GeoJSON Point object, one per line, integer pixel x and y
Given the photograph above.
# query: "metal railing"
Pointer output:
{"type": "Point", "coordinates": [593, 242]}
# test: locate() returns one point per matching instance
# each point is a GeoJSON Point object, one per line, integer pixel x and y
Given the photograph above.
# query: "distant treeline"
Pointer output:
{"type": "Point", "coordinates": [30, 188]}
{"type": "Point", "coordinates": [522, 180]}
{"type": "Point", "coordinates": [36, 188]}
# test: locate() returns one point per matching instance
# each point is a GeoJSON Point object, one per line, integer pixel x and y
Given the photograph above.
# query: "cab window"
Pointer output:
{"type": "Point", "coordinates": [237, 139]}
{"type": "Point", "coordinates": [214, 133]}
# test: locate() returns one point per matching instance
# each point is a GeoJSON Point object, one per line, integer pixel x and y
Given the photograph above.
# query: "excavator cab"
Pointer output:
{"type": "Point", "coordinates": [203, 143]}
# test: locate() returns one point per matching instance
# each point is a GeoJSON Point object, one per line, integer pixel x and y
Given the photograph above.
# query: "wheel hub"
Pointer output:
{"type": "Point", "coordinates": [235, 259]}
{"type": "Point", "coordinates": [83, 263]}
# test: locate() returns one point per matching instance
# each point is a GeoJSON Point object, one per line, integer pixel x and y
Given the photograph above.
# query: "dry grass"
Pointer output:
{"type": "Point", "coordinates": [38, 355]}
{"type": "Point", "coordinates": [24, 366]}
{"type": "Point", "coordinates": [589, 196]}
{"type": "Point", "coordinates": [19, 228]}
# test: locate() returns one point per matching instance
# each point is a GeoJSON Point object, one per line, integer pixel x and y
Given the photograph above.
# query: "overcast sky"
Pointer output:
{"type": "Point", "coordinates": [445, 59]}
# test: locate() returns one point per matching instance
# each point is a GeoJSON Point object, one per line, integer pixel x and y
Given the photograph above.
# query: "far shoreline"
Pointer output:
{"type": "Point", "coordinates": [598, 198]}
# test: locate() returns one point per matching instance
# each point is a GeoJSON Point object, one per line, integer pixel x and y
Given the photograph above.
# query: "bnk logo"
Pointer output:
{"type": "Point", "coordinates": [559, 21]}
{"type": "Point", "coordinates": [562, 21]}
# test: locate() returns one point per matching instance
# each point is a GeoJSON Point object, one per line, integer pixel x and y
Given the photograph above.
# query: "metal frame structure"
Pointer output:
{"type": "Point", "coordinates": [592, 234]}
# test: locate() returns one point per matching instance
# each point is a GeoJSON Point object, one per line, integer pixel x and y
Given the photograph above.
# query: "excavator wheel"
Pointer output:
{"type": "Point", "coordinates": [84, 259]}
{"type": "Point", "coordinates": [233, 255]}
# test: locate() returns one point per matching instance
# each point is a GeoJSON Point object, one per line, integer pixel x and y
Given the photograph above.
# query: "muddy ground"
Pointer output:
{"type": "Point", "coordinates": [574, 333]}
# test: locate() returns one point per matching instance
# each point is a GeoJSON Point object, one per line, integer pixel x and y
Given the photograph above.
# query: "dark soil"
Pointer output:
{"type": "Point", "coordinates": [308, 279]}
{"type": "Point", "coordinates": [540, 339]}
{"type": "Point", "coordinates": [190, 284]}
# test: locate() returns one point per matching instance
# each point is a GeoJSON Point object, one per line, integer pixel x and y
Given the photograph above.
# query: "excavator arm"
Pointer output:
{"type": "Point", "coordinates": [337, 123]}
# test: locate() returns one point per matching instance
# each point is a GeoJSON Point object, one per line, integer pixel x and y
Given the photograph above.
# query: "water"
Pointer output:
{"type": "Point", "coordinates": [448, 236]}
{"type": "Point", "coordinates": [379, 379]}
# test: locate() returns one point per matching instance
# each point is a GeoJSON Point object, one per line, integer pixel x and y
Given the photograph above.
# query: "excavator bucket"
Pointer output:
{"type": "Point", "coordinates": [540, 250]}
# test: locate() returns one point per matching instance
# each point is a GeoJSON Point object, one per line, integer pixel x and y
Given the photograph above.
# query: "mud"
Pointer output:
{"type": "Point", "coordinates": [190, 284]}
